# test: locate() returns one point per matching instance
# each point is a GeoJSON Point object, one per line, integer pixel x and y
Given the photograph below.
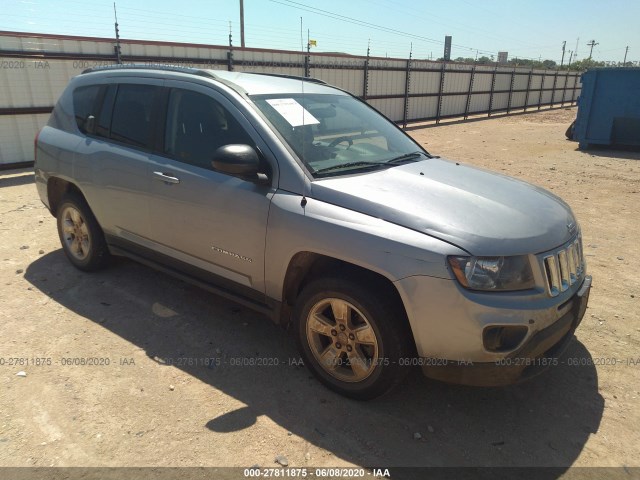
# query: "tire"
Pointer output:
{"type": "Point", "coordinates": [570, 131]}
{"type": "Point", "coordinates": [337, 320]}
{"type": "Point", "coordinates": [81, 237]}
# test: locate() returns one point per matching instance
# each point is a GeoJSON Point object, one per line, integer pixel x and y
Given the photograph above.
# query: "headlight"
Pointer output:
{"type": "Point", "coordinates": [493, 273]}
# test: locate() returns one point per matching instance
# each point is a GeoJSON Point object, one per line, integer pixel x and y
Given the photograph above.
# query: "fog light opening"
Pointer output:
{"type": "Point", "coordinates": [503, 338]}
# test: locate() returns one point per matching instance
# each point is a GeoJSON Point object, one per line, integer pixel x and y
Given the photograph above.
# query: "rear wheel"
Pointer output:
{"type": "Point", "coordinates": [80, 235]}
{"type": "Point", "coordinates": [351, 337]}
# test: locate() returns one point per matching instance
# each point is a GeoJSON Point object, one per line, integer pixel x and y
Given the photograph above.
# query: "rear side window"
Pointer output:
{"type": "Point", "coordinates": [132, 119]}
{"type": "Point", "coordinates": [84, 104]}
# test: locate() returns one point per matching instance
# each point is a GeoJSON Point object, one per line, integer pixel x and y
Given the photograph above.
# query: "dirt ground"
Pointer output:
{"type": "Point", "coordinates": [160, 402]}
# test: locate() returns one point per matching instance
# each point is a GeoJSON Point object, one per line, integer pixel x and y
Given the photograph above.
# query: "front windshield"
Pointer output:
{"type": "Point", "coordinates": [337, 134]}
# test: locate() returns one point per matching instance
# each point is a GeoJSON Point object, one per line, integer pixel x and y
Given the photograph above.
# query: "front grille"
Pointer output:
{"type": "Point", "coordinates": [564, 267]}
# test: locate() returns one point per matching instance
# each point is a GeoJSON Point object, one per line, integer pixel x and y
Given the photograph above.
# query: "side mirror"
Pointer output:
{"type": "Point", "coordinates": [239, 160]}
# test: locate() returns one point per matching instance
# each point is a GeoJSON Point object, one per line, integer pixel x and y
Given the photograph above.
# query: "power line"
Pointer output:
{"type": "Point", "coordinates": [362, 23]}
{"type": "Point", "coordinates": [344, 18]}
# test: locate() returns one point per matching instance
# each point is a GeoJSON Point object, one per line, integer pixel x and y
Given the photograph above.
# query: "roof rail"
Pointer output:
{"type": "Point", "coordinates": [162, 67]}
{"type": "Point", "coordinates": [292, 77]}
{"type": "Point", "coordinates": [192, 71]}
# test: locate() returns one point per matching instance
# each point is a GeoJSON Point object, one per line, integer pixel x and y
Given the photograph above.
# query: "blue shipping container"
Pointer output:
{"type": "Point", "coordinates": [609, 108]}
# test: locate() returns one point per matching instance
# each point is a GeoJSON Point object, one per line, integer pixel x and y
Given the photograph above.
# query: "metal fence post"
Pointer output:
{"type": "Point", "coordinates": [544, 76]}
{"type": "Point", "coordinates": [230, 59]}
{"type": "Point", "coordinates": [493, 87]}
{"type": "Point", "coordinates": [469, 92]}
{"type": "Point", "coordinates": [407, 84]}
{"type": "Point", "coordinates": [573, 92]}
{"type": "Point", "coordinates": [513, 79]}
{"type": "Point", "coordinates": [526, 97]}
{"type": "Point", "coordinates": [365, 87]}
{"type": "Point", "coordinates": [553, 90]}
{"type": "Point", "coordinates": [440, 91]}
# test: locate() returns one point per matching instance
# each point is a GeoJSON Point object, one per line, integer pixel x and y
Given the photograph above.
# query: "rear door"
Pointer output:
{"type": "Point", "coordinates": [114, 161]}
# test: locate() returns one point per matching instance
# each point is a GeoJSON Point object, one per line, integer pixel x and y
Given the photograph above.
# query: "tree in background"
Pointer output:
{"type": "Point", "coordinates": [580, 65]}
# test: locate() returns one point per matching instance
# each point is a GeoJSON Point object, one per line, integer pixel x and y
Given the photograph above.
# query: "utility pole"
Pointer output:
{"type": "Point", "coordinates": [242, 23]}
{"type": "Point", "coordinates": [116, 47]}
{"type": "Point", "coordinates": [624, 62]}
{"type": "Point", "coordinates": [591, 44]}
{"type": "Point", "coordinates": [564, 44]}
{"type": "Point", "coordinates": [575, 52]}
{"type": "Point", "coordinates": [570, 55]}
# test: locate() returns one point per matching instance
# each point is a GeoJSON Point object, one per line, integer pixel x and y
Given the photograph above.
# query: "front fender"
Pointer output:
{"type": "Point", "coordinates": [392, 251]}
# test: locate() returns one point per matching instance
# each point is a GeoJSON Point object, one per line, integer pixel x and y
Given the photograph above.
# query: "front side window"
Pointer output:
{"type": "Point", "coordinates": [337, 134]}
{"type": "Point", "coordinates": [197, 126]}
{"type": "Point", "coordinates": [132, 119]}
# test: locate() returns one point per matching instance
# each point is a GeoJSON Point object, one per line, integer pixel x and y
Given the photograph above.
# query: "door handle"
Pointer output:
{"type": "Point", "coordinates": [165, 177]}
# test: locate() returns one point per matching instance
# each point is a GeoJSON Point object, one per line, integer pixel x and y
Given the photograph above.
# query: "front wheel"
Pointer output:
{"type": "Point", "coordinates": [352, 337]}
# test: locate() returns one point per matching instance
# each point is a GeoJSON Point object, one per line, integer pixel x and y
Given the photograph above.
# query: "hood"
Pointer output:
{"type": "Point", "coordinates": [481, 212]}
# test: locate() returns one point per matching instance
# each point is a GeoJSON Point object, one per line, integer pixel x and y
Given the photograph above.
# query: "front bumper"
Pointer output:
{"type": "Point", "coordinates": [541, 352]}
{"type": "Point", "coordinates": [464, 360]}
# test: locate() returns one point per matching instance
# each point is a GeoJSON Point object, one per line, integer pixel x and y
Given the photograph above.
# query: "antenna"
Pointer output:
{"type": "Point", "coordinates": [303, 201]}
{"type": "Point", "coordinates": [116, 47]}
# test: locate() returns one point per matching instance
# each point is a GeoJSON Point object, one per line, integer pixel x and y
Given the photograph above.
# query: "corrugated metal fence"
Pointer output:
{"type": "Point", "coordinates": [35, 68]}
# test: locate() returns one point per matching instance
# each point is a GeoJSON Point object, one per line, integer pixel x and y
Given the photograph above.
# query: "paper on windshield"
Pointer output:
{"type": "Point", "coordinates": [292, 111]}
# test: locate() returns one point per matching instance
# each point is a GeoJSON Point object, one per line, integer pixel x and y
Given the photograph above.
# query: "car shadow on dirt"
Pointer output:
{"type": "Point", "coordinates": [543, 422]}
{"type": "Point", "coordinates": [16, 180]}
{"type": "Point", "coordinates": [618, 153]}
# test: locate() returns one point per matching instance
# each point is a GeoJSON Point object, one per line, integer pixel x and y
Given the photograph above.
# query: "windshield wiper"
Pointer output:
{"type": "Point", "coordinates": [394, 161]}
{"type": "Point", "coordinates": [404, 158]}
{"type": "Point", "coordinates": [351, 164]}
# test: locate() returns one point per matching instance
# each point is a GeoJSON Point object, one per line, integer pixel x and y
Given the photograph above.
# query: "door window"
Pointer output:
{"type": "Point", "coordinates": [197, 126]}
{"type": "Point", "coordinates": [132, 121]}
{"type": "Point", "coordinates": [84, 104]}
{"type": "Point", "coordinates": [103, 127]}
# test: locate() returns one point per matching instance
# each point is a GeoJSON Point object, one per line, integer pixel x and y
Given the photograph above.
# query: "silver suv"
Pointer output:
{"type": "Point", "coordinates": [301, 201]}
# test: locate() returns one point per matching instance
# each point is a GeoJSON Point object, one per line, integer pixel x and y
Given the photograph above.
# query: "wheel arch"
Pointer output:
{"type": "Point", "coordinates": [57, 189]}
{"type": "Point", "coordinates": [307, 266]}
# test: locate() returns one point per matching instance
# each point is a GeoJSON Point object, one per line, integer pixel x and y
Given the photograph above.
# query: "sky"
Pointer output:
{"type": "Point", "coordinates": [393, 28]}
